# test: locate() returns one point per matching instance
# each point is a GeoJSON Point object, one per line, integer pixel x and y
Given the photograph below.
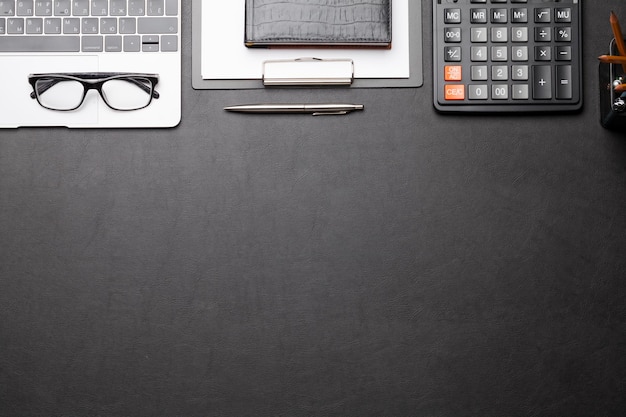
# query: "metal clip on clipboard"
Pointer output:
{"type": "Point", "coordinates": [308, 72]}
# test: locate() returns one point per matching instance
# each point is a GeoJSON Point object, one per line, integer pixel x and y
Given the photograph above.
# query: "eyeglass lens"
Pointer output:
{"type": "Point", "coordinates": [59, 94]}
{"type": "Point", "coordinates": [120, 93]}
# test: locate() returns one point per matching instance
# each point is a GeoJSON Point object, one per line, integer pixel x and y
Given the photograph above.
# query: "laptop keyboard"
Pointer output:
{"type": "Point", "coordinates": [90, 26]}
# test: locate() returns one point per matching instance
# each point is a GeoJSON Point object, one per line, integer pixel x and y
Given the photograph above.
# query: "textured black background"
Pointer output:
{"type": "Point", "coordinates": [393, 262]}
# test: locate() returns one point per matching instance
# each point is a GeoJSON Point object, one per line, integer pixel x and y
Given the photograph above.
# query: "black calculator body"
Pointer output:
{"type": "Point", "coordinates": [507, 55]}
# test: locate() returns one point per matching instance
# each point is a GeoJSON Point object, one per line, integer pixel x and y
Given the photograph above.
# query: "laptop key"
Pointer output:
{"type": "Point", "coordinates": [80, 8]}
{"type": "Point", "coordinates": [52, 25]}
{"type": "Point", "coordinates": [90, 24]}
{"type": "Point", "coordinates": [171, 7]}
{"type": "Point", "coordinates": [157, 25]}
{"type": "Point", "coordinates": [39, 43]}
{"type": "Point", "coordinates": [71, 25]}
{"type": "Point", "coordinates": [25, 8]}
{"type": "Point", "coordinates": [132, 43]}
{"type": "Point", "coordinates": [15, 25]}
{"type": "Point", "coordinates": [92, 44]}
{"type": "Point", "coordinates": [128, 25]}
{"type": "Point", "coordinates": [136, 7]}
{"type": "Point", "coordinates": [34, 25]}
{"type": "Point", "coordinates": [7, 8]}
{"type": "Point", "coordinates": [155, 8]}
{"type": "Point", "coordinates": [108, 25]}
{"type": "Point", "coordinates": [43, 8]}
{"type": "Point", "coordinates": [113, 43]}
{"type": "Point", "coordinates": [99, 7]}
{"type": "Point", "coordinates": [62, 7]}
{"type": "Point", "coordinates": [118, 8]}
{"type": "Point", "coordinates": [150, 43]}
{"type": "Point", "coordinates": [3, 27]}
{"type": "Point", "coordinates": [169, 43]}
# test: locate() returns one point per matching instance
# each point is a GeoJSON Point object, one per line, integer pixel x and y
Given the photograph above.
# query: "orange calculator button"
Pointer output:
{"type": "Point", "coordinates": [454, 92]}
{"type": "Point", "coordinates": [453, 73]}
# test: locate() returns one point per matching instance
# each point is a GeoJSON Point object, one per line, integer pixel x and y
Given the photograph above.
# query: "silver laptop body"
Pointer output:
{"type": "Point", "coordinates": [105, 45]}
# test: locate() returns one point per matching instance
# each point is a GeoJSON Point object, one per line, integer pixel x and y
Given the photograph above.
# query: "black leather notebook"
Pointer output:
{"type": "Point", "coordinates": [318, 23]}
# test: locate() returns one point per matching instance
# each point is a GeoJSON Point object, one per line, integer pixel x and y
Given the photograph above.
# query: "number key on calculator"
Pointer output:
{"type": "Point", "coordinates": [507, 55]}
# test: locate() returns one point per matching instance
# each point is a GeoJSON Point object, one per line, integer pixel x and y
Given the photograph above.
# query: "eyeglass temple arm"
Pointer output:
{"type": "Point", "coordinates": [43, 87]}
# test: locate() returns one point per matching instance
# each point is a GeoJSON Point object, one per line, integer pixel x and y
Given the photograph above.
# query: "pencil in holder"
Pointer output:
{"type": "Point", "coordinates": [612, 98]}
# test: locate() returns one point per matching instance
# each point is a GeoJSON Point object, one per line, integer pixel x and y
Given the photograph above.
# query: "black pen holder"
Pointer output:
{"type": "Point", "coordinates": [612, 103]}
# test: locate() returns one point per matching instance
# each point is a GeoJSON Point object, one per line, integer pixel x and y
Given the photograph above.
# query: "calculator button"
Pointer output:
{"type": "Point", "coordinates": [499, 34]}
{"type": "Point", "coordinates": [563, 82]}
{"type": "Point", "coordinates": [477, 92]}
{"type": "Point", "coordinates": [499, 16]}
{"type": "Point", "coordinates": [500, 91]}
{"type": "Point", "coordinates": [478, 16]}
{"type": "Point", "coordinates": [452, 34]}
{"type": "Point", "coordinates": [519, 15]}
{"type": "Point", "coordinates": [453, 73]}
{"type": "Point", "coordinates": [452, 16]}
{"type": "Point", "coordinates": [499, 73]}
{"type": "Point", "coordinates": [499, 53]}
{"type": "Point", "coordinates": [452, 53]}
{"type": "Point", "coordinates": [479, 73]}
{"type": "Point", "coordinates": [543, 53]}
{"type": "Point", "coordinates": [542, 15]}
{"type": "Point", "coordinates": [454, 92]}
{"type": "Point", "coordinates": [563, 53]}
{"type": "Point", "coordinates": [543, 34]}
{"type": "Point", "coordinates": [479, 54]}
{"type": "Point", "coordinates": [519, 53]}
{"type": "Point", "coordinates": [519, 34]}
{"type": "Point", "coordinates": [563, 34]}
{"type": "Point", "coordinates": [520, 72]}
{"type": "Point", "coordinates": [542, 82]}
{"type": "Point", "coordinates": [563, 15]}
{"type": "Point", "coordinates": [520, 92]}
{"type": "Point", "coordinates": [478, 35]}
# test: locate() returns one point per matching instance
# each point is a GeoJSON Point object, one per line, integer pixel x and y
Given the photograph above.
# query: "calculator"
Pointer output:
{"type": "Point", "coordinates": [507, 55]}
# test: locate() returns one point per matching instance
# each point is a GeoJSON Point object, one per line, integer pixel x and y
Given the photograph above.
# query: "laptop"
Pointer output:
{"type": "Point", "coordinates": [90, 63]}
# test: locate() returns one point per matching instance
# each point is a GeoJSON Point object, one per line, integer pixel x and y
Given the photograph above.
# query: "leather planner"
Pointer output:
{"type": "Point", "coordinates": [342, 23]}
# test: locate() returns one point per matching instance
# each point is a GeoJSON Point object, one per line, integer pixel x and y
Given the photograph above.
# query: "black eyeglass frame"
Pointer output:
{"type": "Point", "coordinates": [93, 81]}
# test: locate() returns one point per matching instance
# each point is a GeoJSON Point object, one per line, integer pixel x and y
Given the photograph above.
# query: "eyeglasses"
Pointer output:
{"type": "Point", "coordinates": [120, 91]}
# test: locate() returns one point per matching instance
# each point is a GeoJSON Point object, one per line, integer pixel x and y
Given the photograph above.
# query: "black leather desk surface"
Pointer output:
{"type": "Point", "coordinates": [393, 262]}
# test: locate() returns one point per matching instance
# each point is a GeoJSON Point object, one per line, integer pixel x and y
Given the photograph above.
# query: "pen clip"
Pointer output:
{"type": "Point", "coordinates": [331, 113]}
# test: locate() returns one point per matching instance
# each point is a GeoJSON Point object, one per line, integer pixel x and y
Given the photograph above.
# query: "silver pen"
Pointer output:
{"type": "Point", "coordinates": [315, 109]}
